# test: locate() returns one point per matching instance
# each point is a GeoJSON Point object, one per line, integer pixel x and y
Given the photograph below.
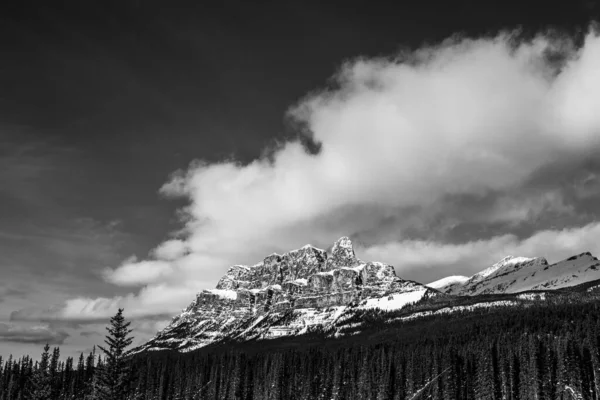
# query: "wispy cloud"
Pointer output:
{"type": "Point", "coordinates": [89, 333]}
{"type": "Point", "coordinates": [38, 334]}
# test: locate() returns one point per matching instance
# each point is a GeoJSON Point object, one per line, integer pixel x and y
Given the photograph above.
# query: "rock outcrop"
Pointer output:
{"type": "Point", "coordinates": [342, 255]}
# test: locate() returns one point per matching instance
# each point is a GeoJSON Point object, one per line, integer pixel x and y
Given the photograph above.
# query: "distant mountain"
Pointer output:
{"type": "Point", "coordinates": [518, 274]}
{"type": "Point", "coordinates": [310, 290]}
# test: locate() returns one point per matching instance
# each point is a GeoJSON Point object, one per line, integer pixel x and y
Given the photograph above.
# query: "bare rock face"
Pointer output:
{"type": "Point", "coordinates": [375, 272]}
{"type": "Point", "coordinates": [237, 276]}
{"type": "Point", "coordinates": [326, 300]}
{"type": "Point", "coordinates": [346, 279]}
{"type": "Point", "coordinates": [320, 282]}
{"type": "Point", "coordinates": [264, 300]}
{"type": "Point", "coordinates": [270, 272]}
{"type": "Point", "coordinates": [303, 262]}
{"type": "Point", "coordinates": [342, 255]}
{"type": "Point", "coordinates": [245, 298]}
{"type": "Point", "coordinates": [295, 287]}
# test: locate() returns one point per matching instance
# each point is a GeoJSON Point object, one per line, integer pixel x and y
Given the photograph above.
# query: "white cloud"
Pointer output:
{"type": "Point", "coordinates": [516, 208]}
{"type": "Point", "coordinates": [138, 273]}
{"type": "Point", "coordinates": [170, 250]}
{"type": "Point", "coordinates": [468, 117]}
{"type": "Point", "coordinates": [471, 257]}
{"type": "Point", "coordinates": [153, 300]}
{"type": "Point", "coordinates": [38, 334]}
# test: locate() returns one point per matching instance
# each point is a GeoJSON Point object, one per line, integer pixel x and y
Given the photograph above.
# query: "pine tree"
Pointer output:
{"type": "Point", "coordinates": [79, 383]}
{"type": "Point", "coordinates": [13, 383]}
{"type": "Point", "coordinates": [87, 387]}
{"type": "Point", "coordinates": [112, 383]}
{"type": "Point", "coordinates": [26, 372]}
{"type": "Point", "coordinates": [55, 373]}
{"type": "Point", "coordinates": [67, 381]}
{"type": "Point", "coordinates": [42, 381]}
{"type": "Point", "coordinates": [95, 387]}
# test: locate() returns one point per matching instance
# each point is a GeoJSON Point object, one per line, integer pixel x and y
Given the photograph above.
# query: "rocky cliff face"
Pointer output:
{"type": "Point", "coordinates": [276, 269]}
{"type": "Point", "coordinates": [306, 287]}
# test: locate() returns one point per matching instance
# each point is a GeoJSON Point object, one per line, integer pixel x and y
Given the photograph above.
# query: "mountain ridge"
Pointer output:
{"type": "Point", "coordinates": [309, 289]}
{"type": "Point", "coordinates": [517, 274]}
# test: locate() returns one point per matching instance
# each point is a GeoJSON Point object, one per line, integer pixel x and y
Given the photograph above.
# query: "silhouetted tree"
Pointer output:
{"type": "Point", "coordinates": [41, 384]}
{"type": "Point", "coordinates": [113, 377]}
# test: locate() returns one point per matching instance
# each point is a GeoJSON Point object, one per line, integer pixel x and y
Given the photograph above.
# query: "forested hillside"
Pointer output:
{"type": "Point", "coordinates": [547, 349]}
{"type": "Point", "coordinates": [540, 352]}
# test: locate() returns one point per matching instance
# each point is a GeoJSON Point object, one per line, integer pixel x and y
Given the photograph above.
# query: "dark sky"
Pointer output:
{"type": "Point", "coordinates": [101, 101]}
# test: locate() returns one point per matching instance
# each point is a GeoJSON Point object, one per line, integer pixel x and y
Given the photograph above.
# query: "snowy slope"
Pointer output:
{"type": "Point", "coordinates": [517, 274]}
{"type": "Point", "coordinates": [448, 281]}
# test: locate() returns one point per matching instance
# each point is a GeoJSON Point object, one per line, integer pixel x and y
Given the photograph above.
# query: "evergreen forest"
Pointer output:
{"type": "Point", "coordinates": [543, 351]}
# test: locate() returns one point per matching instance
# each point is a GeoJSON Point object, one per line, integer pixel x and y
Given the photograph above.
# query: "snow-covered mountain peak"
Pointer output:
{"type": "Point", "coordinates": [343, 242]}
{"type": "Point", "coordinates": [447, 281]}
{"type": "Point", "coordinates": [342, 254]}
{"type": "Point", "coordinates": [517, 274]}
{"type": "Point", "coordinates": [308, 286]}
{"type": "Point", "coordinates": [511, 260]}
{"type": "Point", "coordinates": [500, 265]}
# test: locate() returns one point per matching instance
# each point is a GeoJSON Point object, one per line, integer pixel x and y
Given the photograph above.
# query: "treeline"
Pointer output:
{"type": "Point", "coordinates": [26, 379]}
{"type": "Point", "coordinates": [104, 376]}
{"type": "Point", "coordinates": [544, 351]}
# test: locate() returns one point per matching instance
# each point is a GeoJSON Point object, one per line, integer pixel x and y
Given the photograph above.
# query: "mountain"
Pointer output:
{"type": "Point", "coordinates": [518, 274]}
{"type": "Point", "coordinates": [310, 290]}
{"type": "Point", "coordinates": [297, 292]}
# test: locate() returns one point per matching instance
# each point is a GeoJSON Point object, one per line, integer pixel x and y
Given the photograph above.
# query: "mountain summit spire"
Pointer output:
{"type": "Point", "coordinates": [342, 254]}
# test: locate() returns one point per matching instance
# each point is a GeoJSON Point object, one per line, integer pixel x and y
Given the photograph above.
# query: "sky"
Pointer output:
{"type": "Point", "coordinates": [144, 149]}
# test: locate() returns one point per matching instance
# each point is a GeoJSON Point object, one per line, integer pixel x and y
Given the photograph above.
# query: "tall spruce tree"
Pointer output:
{"type": "Point", "coordinates": [41, 385]}
{"type": "Point", "coordinates": [113, 378]}
{"type": "Point", "coordinates": [55, 373]}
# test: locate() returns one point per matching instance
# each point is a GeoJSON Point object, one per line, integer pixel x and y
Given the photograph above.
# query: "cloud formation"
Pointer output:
{"type": "Point", "coordinates": [397, 139]}
{"type": "Point", "coordinates": [89, 333]}
{"type": "Point", "coordinates": [473, 256]}
{"type": "Point", "coordinates": [39, 334]}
